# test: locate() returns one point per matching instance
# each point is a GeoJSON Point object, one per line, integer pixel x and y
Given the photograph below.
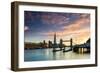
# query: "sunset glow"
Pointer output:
{"type": "Point", "coordinates": [41, 26]}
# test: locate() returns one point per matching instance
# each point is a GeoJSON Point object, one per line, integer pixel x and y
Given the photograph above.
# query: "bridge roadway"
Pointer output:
{"type": "Point", "coordinates": [74, 48]}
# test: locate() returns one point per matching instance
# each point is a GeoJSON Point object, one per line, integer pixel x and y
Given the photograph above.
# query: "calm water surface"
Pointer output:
{"type": "Point", "coordinates": [47, 54]}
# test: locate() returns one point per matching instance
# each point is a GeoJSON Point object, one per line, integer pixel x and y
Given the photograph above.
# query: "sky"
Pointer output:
{"type": "Point", "coordinates": [39, 26]}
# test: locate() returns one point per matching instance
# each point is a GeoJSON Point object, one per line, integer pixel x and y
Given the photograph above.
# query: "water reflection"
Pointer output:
{"type": "Point", "coordinates": [47, 54]}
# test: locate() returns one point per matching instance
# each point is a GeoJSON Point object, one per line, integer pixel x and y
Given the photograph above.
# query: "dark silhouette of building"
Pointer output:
{"type": "Point", "coordinates": [83, 48]}
{"type": "Point", "coordinates": [44, 44]}
{"type": "Point", "coordinates": [49, 44]}
{"type": "Point", "coordinates": [55, 39]}
{"type": "Point", "coordinates": [61, 44]}
{"type": "Point", "coordinates": [55, 42]}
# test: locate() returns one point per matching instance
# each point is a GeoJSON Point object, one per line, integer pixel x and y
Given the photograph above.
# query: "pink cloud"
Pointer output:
{"type": "Point", "coordinates": [26, 28]}
{"type": "Point", "coordinates": [29, 16]}
{"type": "Point", "coordinates": [78, 30]}
{"type": "Point", "coordinates": [78, 24]}
{"type": "Point", "coordinates": [54, 19]}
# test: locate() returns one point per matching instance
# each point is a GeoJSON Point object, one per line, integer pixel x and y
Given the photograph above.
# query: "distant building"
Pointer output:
{"type": "Point", "coordinates": [44, 44]}
{"type": "Point", "coordinates": [55, 39]}
{"type": "Point", "coordinates": [49, 44]}
{"type": "Point", "coordinates": [32, 45]}
{"type": "Point", "coordinates": [55, 45]}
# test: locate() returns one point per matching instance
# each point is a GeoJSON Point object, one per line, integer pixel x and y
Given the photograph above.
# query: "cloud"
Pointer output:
{"type": "Point", "coordinates": [28, 15]}
{"type": "Point", "coordinates": [54, 18]}
{"type": "Point", "coordinates": [78, 30]}
{"type": "Point", "coordinates": [77, 25]}
{"type": "Point", "coordinates": [66, 25]}
{"type": "Point", "coordinates": [26, 28]}
{"type": "Point", "coordinates": [84, 15]}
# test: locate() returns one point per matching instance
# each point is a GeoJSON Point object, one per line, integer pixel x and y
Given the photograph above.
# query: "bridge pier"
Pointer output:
{"type": "Point", "coordinates": [61, 44]}
{"type": "Point", "coordinates": [71, 45]}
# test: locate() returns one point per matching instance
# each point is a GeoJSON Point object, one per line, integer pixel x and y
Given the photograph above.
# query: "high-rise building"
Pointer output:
{"type": "Point", "coordinates": [55, 42]}
{"type": "Point", "coordinates": [55, 39]}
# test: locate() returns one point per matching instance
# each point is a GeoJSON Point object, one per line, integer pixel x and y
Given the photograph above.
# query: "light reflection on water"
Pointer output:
{"type": "Point", "coordinates": [47, 54]}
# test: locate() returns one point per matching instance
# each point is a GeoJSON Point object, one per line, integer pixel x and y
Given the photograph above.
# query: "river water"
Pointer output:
{"type": "Point", "coordinates": [47, 54]}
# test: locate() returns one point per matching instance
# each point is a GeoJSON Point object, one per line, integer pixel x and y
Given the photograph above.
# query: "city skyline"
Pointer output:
{"type": "Point", "coordinates": [41, 26]}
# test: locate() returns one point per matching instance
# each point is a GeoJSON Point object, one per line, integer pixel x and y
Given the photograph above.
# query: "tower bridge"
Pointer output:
{"type": "Point", "coordinates": [74, 48]}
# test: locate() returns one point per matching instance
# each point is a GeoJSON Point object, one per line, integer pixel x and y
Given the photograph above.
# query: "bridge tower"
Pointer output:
{"type": "Point", "coordinates": [61, 44]}
{"type": "Point", "coordinates": [71, 43]}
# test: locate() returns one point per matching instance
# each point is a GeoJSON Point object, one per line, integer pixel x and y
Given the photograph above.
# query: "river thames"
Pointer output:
{"type": "Point", "coordinates": [47, 54]}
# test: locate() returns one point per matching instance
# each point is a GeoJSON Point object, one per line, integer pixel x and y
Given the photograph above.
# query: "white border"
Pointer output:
{"type": "Point", "coordinates": [23, 64]}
